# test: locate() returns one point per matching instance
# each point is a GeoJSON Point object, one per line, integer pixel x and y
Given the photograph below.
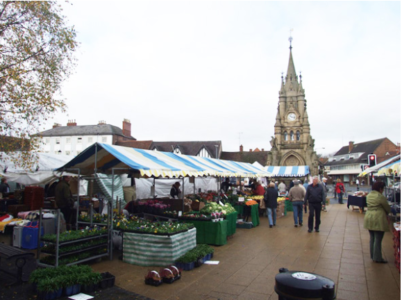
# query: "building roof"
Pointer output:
{"type": "Point", "coordinates": [146, 145]}
{"type": "Point", "coordinates": [188, 148]}
{"type": "Point", "coordinates": [101, 129]}
{"type": "Point", "coordinates": [366, 148]}
{"type": "Point", "coordinates": [248, 157]}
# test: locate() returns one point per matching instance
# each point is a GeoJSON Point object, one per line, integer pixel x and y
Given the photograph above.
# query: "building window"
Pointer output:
{"type": "Point", "coordinates": [47, 140]}
{"type": "Point", "coordinates": [90, 140]}
{"type": "Point", "coordinates": [68, 140]}
{"type": "Point", "coordinates": [177, 150]}
{"type": "Point", "coordinates": [298, 135]}
{"type": "Point", "coordinates": [285, 136]}
{"type": "Point", "coordinates": [104, 139]}
{"type": "Point", "coordinates": [203, 153]}
{"type": "Point", "coordinates": [57, 140]}
{"type": "Point", "coordinates": [79, 140]}
{"type": "Point", "coordinates": [292, 137]}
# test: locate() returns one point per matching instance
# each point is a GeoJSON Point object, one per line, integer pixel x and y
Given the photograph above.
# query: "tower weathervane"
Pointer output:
{"type": "Point", "coordinates": [290, 39]}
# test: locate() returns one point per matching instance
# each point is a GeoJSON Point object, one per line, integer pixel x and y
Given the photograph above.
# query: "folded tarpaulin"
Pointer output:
{"type": "Point", "coordinates": [288, 171]}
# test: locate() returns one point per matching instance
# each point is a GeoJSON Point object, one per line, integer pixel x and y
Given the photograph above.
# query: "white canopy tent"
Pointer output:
{"type": "Point", "coordinates": [43, 173]}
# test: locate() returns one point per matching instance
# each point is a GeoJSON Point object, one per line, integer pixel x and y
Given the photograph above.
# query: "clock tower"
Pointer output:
{"type": "Point", "coordinates": [292, 144]}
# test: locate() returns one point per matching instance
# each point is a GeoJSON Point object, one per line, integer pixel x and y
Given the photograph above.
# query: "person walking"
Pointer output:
{"type": "Point", "coordinates": [314, 198]}
{"type": "Point", "coordinates": [64, 201]}
{"type": "Point", "coordinates": [357, 183]}
{"type": "Point", "coordinates": [340, 190]}
{"type": "Point", "coordinates": [271, 203]}
{"type": "Point", "coordinates": [296, 196]}
{"type": "Point", "coordinates": [375, 220]}
{"type": "Point", "coordinates": [324, 186]}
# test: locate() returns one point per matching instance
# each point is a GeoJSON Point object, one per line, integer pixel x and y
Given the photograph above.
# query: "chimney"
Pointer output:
{"type": "Point", "coordinates": [127, 127]}
{"type": "Point", "coordinates": [262, 149]}
{"type": "Point", "coordinates": [350, 146]}
{"type": "Point", "coordinates": [72, 123]}
{"type": "Point", "coordinates": [241, 148]}
{"type": "Point", "coordinates": [251, 150]}
{"type": "Point", "coordinates": [102, 122]}
{"type": "Point", "coordinates": [56, 125]}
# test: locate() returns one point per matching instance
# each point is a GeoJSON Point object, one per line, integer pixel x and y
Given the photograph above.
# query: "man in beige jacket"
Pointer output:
{"type": "Point", "coordinates": [296, 196]}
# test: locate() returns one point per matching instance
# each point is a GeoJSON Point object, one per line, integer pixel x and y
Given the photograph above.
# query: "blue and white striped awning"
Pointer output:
{"type": "Point", "coordinates": [155, 163]}
{"type": "Point", "coordinates": [288, 171]}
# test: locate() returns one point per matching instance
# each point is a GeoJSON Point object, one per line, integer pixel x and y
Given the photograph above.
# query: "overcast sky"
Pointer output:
{"type": "Point", "coordinates": [194, 71]}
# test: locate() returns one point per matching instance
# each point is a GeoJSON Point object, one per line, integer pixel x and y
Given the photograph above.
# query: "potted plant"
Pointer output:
{"type": "Point", "coordinates": [90, 281]}
{"type": "Point", "coordinates": [69, 280]}
{"type": "Point", "coordinates": [49, 288]}
{"type": "Point", "coordinates": [186, 262]}
{"type": "Point", "coordinates": [176, 272]}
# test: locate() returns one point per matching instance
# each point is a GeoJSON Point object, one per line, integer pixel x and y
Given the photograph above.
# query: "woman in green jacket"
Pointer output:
{"type": "Point", "coordinates": [375, 220]}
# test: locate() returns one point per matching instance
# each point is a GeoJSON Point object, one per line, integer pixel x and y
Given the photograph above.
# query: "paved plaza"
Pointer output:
{"type": "Point", "coordinates": [252, 258]}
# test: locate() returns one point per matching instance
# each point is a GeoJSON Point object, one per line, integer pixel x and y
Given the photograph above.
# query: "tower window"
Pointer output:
{"type": "Point", "coordinates": [297, 135]}
{"type": "Point", "coordinates": [292, 136]}
{"type": "Point", "coordinates": [285, 136]}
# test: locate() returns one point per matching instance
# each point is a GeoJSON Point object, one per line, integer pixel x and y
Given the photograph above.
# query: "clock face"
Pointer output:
{"type": "Point", "coordinates": [291, 117]}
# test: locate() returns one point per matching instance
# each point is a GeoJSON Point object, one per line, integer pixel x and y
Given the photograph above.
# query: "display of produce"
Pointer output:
{"type": "Point", "coordinates": [214, 207]}
{"type": "Point", "coordinates": [76, 234]}
{"type": "Point", "coordinates": [138, 225]}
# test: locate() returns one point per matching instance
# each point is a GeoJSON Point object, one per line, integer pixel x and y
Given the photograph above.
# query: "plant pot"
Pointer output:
{"type": "Point", "coordinates": [107, 280]}
{"type": "Point", "coordinates": [59, 293]}
{"type": "Point", "coordinates": [89, 288]}
{"type": "Point", "coordinates": [76, 289]}
{"type": "Point", "coordinates": [68, 290]}
{"type": "Point", "coordinates": [185, 266]}
{"type": "Point", "coordinates": [199, 262]}
{"type": "Point", "coordinates": [208, 256]}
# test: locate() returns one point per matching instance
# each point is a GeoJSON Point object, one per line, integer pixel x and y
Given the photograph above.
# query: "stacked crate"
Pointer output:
{"type": "Point", "coordinates": [34, 197]}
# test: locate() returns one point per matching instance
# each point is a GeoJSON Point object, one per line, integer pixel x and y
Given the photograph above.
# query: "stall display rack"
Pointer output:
{"type": "Point", "coordinates": [59, 244]}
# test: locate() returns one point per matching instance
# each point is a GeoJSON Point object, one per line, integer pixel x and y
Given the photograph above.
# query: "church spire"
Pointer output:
{"type": "Point", "coordinates": [292, 83]}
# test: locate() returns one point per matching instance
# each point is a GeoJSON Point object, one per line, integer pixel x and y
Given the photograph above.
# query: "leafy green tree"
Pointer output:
{"type": "Point", "coordinates": [36, 56]}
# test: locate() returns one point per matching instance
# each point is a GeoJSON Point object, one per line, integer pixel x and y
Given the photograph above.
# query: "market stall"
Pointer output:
{"type": "Point", "coordinates": [113, 160]}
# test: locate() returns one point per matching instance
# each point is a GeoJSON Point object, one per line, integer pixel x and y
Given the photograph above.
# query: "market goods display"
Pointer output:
{"type": "Point", "coordinates": [256, 197]}
{"type": "Point", "coordinates": [138, 225]}
{"type": "Point", "coordinates": [214, 207]}
{"type": "Point", "coordinates": [195, 257]}
{"type": "Point", "coordinates": [76, 234]}
{"type": "Point", "coordinates": [53, 282]}
{"type": "Point", "coordinates": [153, 278]}
{"type": "Point", "coordinates": [360, 194]}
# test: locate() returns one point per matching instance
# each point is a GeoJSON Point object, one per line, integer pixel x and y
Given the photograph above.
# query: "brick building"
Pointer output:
{"type": "Point", "coordinates": [350, 160]}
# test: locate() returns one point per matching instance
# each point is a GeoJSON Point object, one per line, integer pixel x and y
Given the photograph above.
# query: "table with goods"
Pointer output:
{"type": "Point", "coordinates": [358, 199]}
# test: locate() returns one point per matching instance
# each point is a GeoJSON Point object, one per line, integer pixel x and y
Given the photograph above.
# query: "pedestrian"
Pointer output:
{"type": "Point", "coordinates": [282, 188]}
{"type": "Point", "coordinates": [362, 182]}
{"type": "Point", "coordinates": [64, 200]}
{"type": "Point", "coordinates": [271, 203]}
{"type": "Point", "coordinates": [259, 189]}
{"type": "Point", "coordinates": [357, 183]}
{"type": "Point", "coordinates": [291, 184]}
{"type": "Point", "coordinates": [324, 186]}
{"type": "Point", "coordinates": [276, 186]}
{"type": "Point", "coordinates": [314, 197]}
{"type": "Point", "coordinates": [4, 187]}
{"type": "Point", "coordinates": [296, 196]}
{"type": "Point", "coordinates": [340, 190]}
{"type": "Point", "coordinates": [175, 191]}
{"type": "Point", "coordinates": [375, 220]}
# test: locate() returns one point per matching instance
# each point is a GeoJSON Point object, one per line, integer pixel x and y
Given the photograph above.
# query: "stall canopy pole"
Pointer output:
{"type": "Point", "coordinates": [154, 189]}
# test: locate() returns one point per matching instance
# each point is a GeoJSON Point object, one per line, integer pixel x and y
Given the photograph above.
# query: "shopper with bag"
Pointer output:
{"type": "Point", "coordinates": [340, 190]}
{"type": "Point", "coordinates": [271, 203]}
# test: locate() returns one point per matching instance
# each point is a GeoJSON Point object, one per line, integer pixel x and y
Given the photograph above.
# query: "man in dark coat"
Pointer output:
{"type": "Point", "coordinates": [314, 197]}
{"type": "Point", "coordinates": [64, 199]}
{"type": "Point", "coordinates": [271, 203]}
{"type": "Point", "coordinates": [175, 190]}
